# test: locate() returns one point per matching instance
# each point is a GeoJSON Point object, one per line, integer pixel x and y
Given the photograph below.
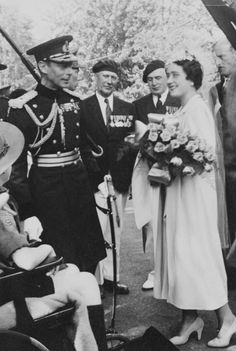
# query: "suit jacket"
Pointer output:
{"type": "Point", "coordinates": [117, 158]}
{"type": "Point", "coordinates": [145, 105]}
{"type": "Point", "coordinates": [228, 111]}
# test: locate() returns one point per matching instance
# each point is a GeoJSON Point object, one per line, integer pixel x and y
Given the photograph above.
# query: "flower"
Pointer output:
{"type": "Point", "coordinates": [198, 156]}
{"type": "Point", "coordinates": [175, 144]}
{"type": "Point", "coordinates": [159, 147]}
{"type": "Point", "coordinates": [176, 161]}
{"type": "Point", "coordinates": [192, 146]}
{"type": "Point", "coordinates": [165, 135]}
{"type": "Point", "coordinates": [208, 167]}
{"type": "Point", "coordinates": [188, 171]}
{"type": "Point", "coordinates": [202, 145]}
{"type": "Point", "coordinates": [152, 135]}
{"type": "Point", "coordinates": [182, 138]}
{"type": "Point", "coordinates": [171, 129]}
{"type": "Point", "coordinates": [153, 127]}
{"type": "Point", "coordinates": [209, 156]}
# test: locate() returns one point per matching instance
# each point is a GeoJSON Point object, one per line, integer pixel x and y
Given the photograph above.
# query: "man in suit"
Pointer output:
{"type": "Point", "coordinates": [158, 101]}
{"type": "Point", "coordinates": [109, 121]}
{"type": "Point", "coordinates": [226, 62]}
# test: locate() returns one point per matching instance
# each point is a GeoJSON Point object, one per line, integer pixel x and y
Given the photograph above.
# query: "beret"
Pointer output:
{"type": "Point", "coordinates": [152, 66]}
{"type": "Point", "coordinates": [106, 65]}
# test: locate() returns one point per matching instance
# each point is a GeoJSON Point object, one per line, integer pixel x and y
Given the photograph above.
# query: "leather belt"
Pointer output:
{"type": "Point", "coordinates": [60, 159]}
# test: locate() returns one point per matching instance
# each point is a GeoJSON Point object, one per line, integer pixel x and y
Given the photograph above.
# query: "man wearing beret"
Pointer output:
{"type": "Point", "coordinates": [158, 101]}
{"type": "Point", "coordinates": [109, 121]}
{"type": "Point", "coordinates": [3, 99]}
{"type": "Point", "coordinates": [57, 190]}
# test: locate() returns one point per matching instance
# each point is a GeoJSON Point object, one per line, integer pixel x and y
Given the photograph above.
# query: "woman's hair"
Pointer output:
{"type": "Point", "coordinates": [193, 70]}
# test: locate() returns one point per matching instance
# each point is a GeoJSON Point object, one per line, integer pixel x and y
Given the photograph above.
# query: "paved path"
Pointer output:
{"type": "Point", "coordinates": [139, 310]}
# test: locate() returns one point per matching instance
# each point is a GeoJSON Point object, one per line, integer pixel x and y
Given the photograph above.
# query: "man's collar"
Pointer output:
{"type": "Point", "coordinates": [102, 98]}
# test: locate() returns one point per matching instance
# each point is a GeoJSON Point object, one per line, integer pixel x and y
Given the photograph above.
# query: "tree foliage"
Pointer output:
{"type": "Point", "coordinates": [132, 32]}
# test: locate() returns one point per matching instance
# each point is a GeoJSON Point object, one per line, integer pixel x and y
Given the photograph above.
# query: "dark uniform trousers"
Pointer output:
{"type": "Point", "coordinates": [59, 195]}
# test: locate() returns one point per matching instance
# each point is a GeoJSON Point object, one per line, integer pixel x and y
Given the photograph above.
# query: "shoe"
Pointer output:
{"type": "Point", "coordinates": [196, 326]}
{"type": "Point", "coordinates": [121, 289]}
{"type": "Point", "coordinates": [223, 338]}
{"type": "Point", "coordinates": [148, 285]}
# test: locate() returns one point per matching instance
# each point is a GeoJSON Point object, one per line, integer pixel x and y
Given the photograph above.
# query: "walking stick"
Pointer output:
{"type": "Point", "coordinates": [111, 198]}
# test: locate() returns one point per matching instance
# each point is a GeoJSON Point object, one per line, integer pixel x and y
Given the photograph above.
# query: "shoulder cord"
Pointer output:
{"type": "Point", "coordinates": [51, 118]}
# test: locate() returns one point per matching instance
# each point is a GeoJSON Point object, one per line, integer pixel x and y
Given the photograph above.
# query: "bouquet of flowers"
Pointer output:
{"type": "Point", "coordinates": [172, 152]}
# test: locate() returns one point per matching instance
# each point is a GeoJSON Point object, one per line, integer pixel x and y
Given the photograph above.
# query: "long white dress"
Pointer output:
{"type": "Point", "coordinates": [189, 267]}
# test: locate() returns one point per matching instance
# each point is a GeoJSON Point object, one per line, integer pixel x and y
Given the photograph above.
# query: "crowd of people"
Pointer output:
{"type": "Point", "coordinates": [61, 185]}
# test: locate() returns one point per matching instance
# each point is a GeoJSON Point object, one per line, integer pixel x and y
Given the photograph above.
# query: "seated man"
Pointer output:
{"type": "Point", "coordinates": [54, 289]}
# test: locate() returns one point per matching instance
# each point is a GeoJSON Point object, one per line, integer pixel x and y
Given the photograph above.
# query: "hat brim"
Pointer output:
{"type": "Point", "coordinates": [63, 59]}
{"type": "Point", "coordinates": [15, 140]}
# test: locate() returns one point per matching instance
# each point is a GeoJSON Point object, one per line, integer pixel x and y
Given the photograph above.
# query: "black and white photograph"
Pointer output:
{"type": "Point", "coordinates": [117, 175]}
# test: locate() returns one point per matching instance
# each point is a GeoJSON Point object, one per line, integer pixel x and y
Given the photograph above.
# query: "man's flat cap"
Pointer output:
{"type": "Point", "coordinates": [152, 66]}
{"type": "Point", "coordinates": [106, 65]}
{"type": "Point", "coordinates": [2, 67]}
{"type": "Point", "coordinates": [56, 50]}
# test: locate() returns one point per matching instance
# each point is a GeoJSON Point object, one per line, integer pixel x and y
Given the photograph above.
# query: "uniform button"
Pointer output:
{"type": "Point", "coordinates": [1, 119]}
{"type": "Point", "coordinates": [72, 100]}
{"type": "Point", "coordinates": [76, 149]}
{"type": "Point", "coordinates": [58, 153]}
{"type": "Point", "coordinates": [41, 117]}
{"type": "Point", "coordinates": [75, 111]}
{"type": "Point", "coordinates": [77, 136]}
{"type": "Point", "coordinates": [77, 124]}
{"type": "Point", "coordinates": [54, 141]}
{"type": "Point", "coordinates": [35, 105]}
{"type": "Point", "coordinates": [47, 129]}
{"type": "Point", "coordinates": [75, 162]}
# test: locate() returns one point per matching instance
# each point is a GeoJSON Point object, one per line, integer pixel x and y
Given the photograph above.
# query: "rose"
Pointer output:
{"type": "Point", "coordinates": [152, 127]}
{"type": "Point", "coordinates": [188, 171]}
{"type": "Point", "coordinates": [176, 161]}
{"type": "Point", "coordinates": [198, 156]}
{"type": "Point", "coordinates": [192, 146]}
{"type": "Point", "coordinates": [165, 136]}
{"type": "Point", "coordinates": [209, 156]}
{"type": "Point", "coordinates": [171, 129]}
{"type": "Point", "coordinates": [208, 167]}
{"type": "Point", "coordinates": [152, 136]}
{"type": "Point", "coordinates": [175, 144]}
{"type": "Point", "coordinates": [159, 147]}
{"type": "Point", "coordinates": [182, 138]}
{"type": "Point", "coordinates": [202, 145]}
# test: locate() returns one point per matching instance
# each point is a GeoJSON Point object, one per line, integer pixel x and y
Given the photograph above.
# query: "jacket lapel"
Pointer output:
{"type": "Point", "coordinates": [96, 114]}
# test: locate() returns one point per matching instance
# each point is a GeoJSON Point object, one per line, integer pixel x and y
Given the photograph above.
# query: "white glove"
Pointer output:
{"type": "Point", "coordinates": [103, 189]}
{"type": "Point", "coordinates": [33, 228]}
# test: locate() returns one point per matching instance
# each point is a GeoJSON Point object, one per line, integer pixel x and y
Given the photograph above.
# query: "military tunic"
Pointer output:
{"type": "Point", "coordinates": [3, 108]}
{"type": "Point", "coordinates": [59, 196]}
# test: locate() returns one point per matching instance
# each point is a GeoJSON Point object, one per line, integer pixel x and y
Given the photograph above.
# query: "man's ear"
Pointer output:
{"type": "Point", "coordinates": [43, 67]}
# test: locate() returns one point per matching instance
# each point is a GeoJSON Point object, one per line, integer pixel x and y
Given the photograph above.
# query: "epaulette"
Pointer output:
{"type": "Point", "coordinates": [72, 93]}
{"type": "Point", "coordinates": [22, 100]}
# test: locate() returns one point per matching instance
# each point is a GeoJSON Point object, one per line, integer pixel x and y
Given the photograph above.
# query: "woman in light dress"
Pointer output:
{"type": "Point", "coordinates": [189, 270]}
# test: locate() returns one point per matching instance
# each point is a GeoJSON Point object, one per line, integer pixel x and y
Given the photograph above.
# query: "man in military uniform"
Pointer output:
{"type": "Point", "coordinates": [109, 121]}
{"type": "Point", "coordinates": [3, 100]}
{"type": "Point", "coordinates": [158, 101]}
{"type": "Point", "coordinates": [57, 190]}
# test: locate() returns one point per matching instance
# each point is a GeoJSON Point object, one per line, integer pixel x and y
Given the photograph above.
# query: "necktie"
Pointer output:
{"type": "Point", "coordinates": [159, 103]}
{"type": "Point", "coordinates": [108, 113]}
